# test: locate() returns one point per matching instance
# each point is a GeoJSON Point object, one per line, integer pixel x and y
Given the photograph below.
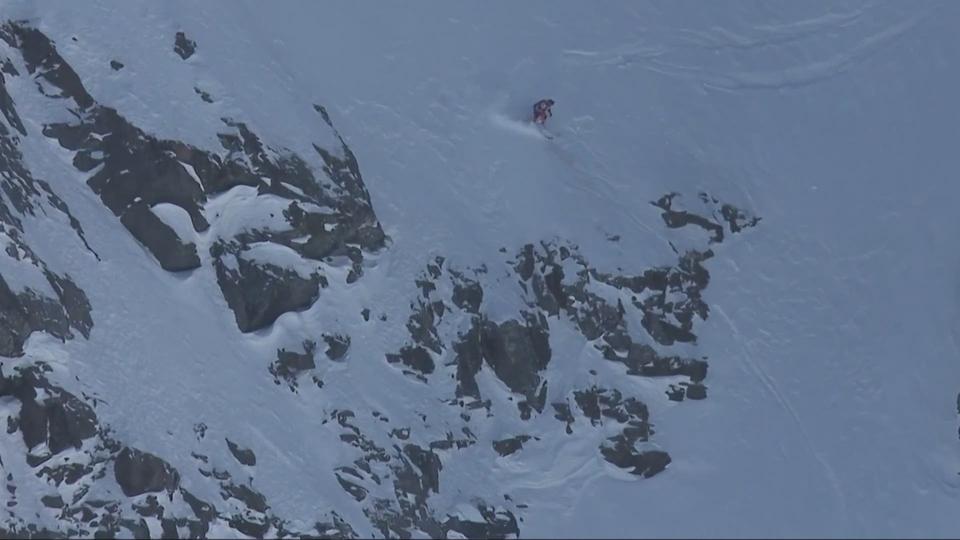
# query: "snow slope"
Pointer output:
{"type": "Point", "coordinates": [832, 339]}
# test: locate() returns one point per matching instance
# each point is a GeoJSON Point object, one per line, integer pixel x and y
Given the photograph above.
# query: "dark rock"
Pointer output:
{"type": "Point", "coordinates": [338, 528]}
{"type": "Point", "coordinates": [70, 422]}
{"type": "Point", "coordinates": [643, 360]}
{"type": "Point", "coordinates": [697, 391]}
{"type": "Point", "coordinates": [467, 294]}
{"type": "Point", "coordinates": [204, 95]}
{"type": "Point", "coordinates": [249, 497]}
{"type": "Point", "coordinates": [623, 455]}
{"type": "Point", "coordinates": [203, 510]}
{"type": "Point", "coordinates": [250, 526]}
{"type": "Point", "coordinates": [117, 66]}
{"type": "Point", "coordinates": [244, 455]}
{"type": "Point", "coordinates": [289, 365]}
{"type": "Point", "coordinates": [517, 352]}
{"type": "Point", "coordinates": [416, 358]}
{"type": "Point", "coordinates": [138, 529]}
{"type": "Point", "coordinates": [676, 219]}
{"type": "Point", "coordinates": [141, 472]}
{"type": "Point", "coordinates": [563, 413]}
{"type": "Point", "coordinates": [52, 501]}
{"type": "Point", "coordinates": [42, 60]}
{"type": "Point", "coordinates": [65, 473]}
{"type": "Point", "coordinates": [618, 339]}
{"type": "Point", "coordinates": [429, 465]}
{"type": "Point", "coordinates": [337, 345]}
{"type": "Point", "coordinates": [27, 312]}
{"type": "Point", "coordinates": [60, 420]}
{"type": "Point", "coordinates": [183, 46]}
{"type": "Point", "coordinates": [259, 293]}
{"type": "Point", "coordinates": [495, 524]}
{"type": "Point", "coordinates": [508, 446]}
{"type": "Point", "coordinates": [74, 301]}
{"type": "Point", "coordinates": [736, 219]}
{"type": "Point", "coordinates": [402, 433]}
{"type": "Point", "coordinates": [422, 326]}
{"type": "Point", "coordinates": [524, 265]}
{"type": "Point", "coordinates": [469, 359]}
{"type": "Point", "coordinates": [173, 254]}
{"type": "Point", "coordinates": [357, 492]}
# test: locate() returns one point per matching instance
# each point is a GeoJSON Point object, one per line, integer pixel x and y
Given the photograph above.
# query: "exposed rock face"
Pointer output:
{"type": "Point", "coordinates": [183, 46]}
{"type": "Point", "coordinates": [517, 352]}
{"type": "Point", "coordinates": [735, 219]}
{"type": "Point", "coordinates": [337, 345]}
{"type": "Point", "coordinates": [61, 307]}
{"type": "Point", "coordinates": [505, 447]}
{"type": "Point", "coordinates": [57, 421]}
{"type": "Point", "coordinates": [404, 509]}
{"type": "Point", "coordinates": [172, 253]}
{"type": "Point", "coordinates": [243, 455]}
{"type": "Point", "coordinates": [132, 172]}
{"type": "Point", "coordinates": [290, 365]}
{"type": "Point", "coordinates": [632, 418]}
{"type": "Point", "coordinates": [622, 316]}
{"type": "Point", "coordinates": [258, 293]}
{"type": "Point", "coordinates": [141, 472]}
{"type": "Point", "coordinates": [495, 370]}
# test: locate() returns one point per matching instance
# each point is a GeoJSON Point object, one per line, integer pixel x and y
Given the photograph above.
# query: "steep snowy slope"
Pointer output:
{"type": "Point", "coordinates": [293, 269]}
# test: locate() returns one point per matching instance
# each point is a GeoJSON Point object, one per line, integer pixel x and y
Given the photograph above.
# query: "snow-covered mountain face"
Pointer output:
{"type": "Point", "coordinates": [308, 270]}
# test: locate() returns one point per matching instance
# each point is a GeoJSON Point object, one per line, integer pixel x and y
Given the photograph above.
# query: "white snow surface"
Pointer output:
{"type": "Point", "coordinates": [833, 339]}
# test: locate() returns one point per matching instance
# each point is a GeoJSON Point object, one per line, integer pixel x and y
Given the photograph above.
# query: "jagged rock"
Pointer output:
{"type": "Point", "coordinates": [27, 312]}
{"type": "Point", "coordinates": [183, 46]}
{"type": "Point", "coordinates": [622, 454]}
{"type": "Point", "coordinates": [681, 218]}
{"type": "Point", "coordinates": [467, 294]}
{"type": "Point", "coordinates": [357, 492]}
{"type": "Point", "coordinates": [204, 95]}
{"type": "Point", "coordinates": [496, 524]}
{"type": "Point", "coordinates": [603, 406]}
{"type": "Point", "coordinates": [203, 510]}
{"type": "Point", "coordinates": [59, 420]}
{"type": "Point", "coordinates": [736, 219]}
{"type": "Point", "coordinates": [697, 391]}
{"type": "Point", "coordinates": [422, 325]}
{"type": "Point", "coordinates": [52, 501]}
{"type": "Point", "coordinates": [505, 447]}
{"type": "Point", "coordinates": [416, 358]}
{"type": "Point", "coordinates": [259, 293]}
{"type": "Point", "coordinates": [469, 360]}
{"type": "Point", "coordinates": [244, 455]}
{"type": "Point", "coordinates": [337, 345]}
{"type": "Point", "coordinates": [289, 364]}
{"type": "Point", "coordinates": [40, 56]}
{"type": "Point", "coordinates": [132, 171]}
{"type": "Point", "coordinates": [141, 472]}
{"type": "Point", "coordinates": [517, 352]}
{"type": "Point", "coordinates": [171, 252]}
{"type": "Point", "coordinates": [564, 414]}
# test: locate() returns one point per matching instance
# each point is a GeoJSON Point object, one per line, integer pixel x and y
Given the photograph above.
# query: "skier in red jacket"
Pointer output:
{"type": "Point", "coordinates": [541, 111]}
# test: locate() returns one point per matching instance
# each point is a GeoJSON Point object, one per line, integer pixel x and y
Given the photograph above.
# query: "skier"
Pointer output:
{"type": "Point", "coordinates": [541, 111]}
